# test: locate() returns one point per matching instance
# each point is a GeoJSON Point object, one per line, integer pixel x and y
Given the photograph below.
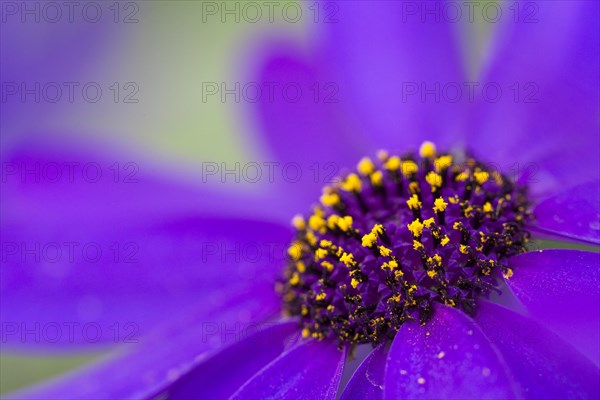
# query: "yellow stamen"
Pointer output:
{"type": "Point", "coordinates": [439, 205]}
{"type": "Point", "coordinates": [332, 221]}
{"type": "Point", "coordinates": [481, 177]}
{"type": "Point", "coordinates": [413, 187]}
{"type": "Point", "coordinates": [413, 202]}
{"type": "Point", "coordinates": [368, 239]}
{"type": "Point", "coordinates": [312, 239]}
{"type": "Point", "coordinates": [382, 155]}
{"type": "Point", "coordinates": [377, 229]}
{"type": "Point", "coordinates": [434, 179]}
{"type": "Point", "coordinates": [416, 227]}
{"type": "Point", "coordinates": [445, 240]}
{"type": "Point", "coordinates": [348, 259]}
{"type": "Point", "coordinates": [428, 222]}
{"type": "Point", "coordinates": [377, 178]}
{"type": "Point", "coordinates": [345, 223]}
{"type": "Point", "coordinates": [327, 265]}
{"type": "Point", "coordinates": [352, 183]}
{"type": "Point", "coordinates": [301, 267]}
{"type": "Point", "coordinates": [393, 163]}
{"type": "Point", "coordinates": [409, 167]}
{"type": "Point", "coordinates": [298, 222]}
{"type": "Point", "coordinates": [427, 150]}
{"type": "Point", "coordinates": [316, 222]}
{"type": "Point", "coordinates": [295, 279]}
{"type": "Point", "coordinates": [384, 251]}
{"type": "Point", "coordinates": [320, 253]}
{"type": "Point", "coordinates": [325, 243]}
{"type": "Point", "coordinates": [365, 166]}
{"type": "Point", "coordinates": [462, 176]}
{"type": "Point", "coordinates": [295, 251]}
{"type": "Point", "coordinates": [443, 162]}
{"type": "Point", "coordinates": [330, 199]}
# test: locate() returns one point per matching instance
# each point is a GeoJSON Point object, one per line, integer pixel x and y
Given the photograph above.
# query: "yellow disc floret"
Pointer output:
{"type": "Point", "coordinates": [427, 150]}
{"type": "Point", "coordinates": [365, 166]}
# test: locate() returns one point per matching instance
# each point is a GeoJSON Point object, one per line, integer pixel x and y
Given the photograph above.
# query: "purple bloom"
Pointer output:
{"type": "Point", "coordinates": [420, 255]}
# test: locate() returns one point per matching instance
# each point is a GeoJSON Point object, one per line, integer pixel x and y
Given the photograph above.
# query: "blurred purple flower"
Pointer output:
{"type": "Point", "coordinates": [201, 315]}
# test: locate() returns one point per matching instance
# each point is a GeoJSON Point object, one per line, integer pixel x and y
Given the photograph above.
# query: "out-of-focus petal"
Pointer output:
{"type": "Point", "coordinates": [544, 123]}
{"type": "Point", "coordinates": [367, 381]}
{"type": "Point", "coordinates": [125, 279]}
{"type": "Point", "coordinates": [219, 376]}
{"type": "Point", "coordinates": [302, 119]}
{"type": "Point", "coordinates": [561, 289]}
{"type": "Point", "coordinates": [386, 57]}
{"type": "Point", "coordinates": [541, 363]}
{"type": "Point", "coordinates": [41, 58]}
{"type": "Point", "coordinates": [140, 371]}
{"type": "Point", "coordinates": [311, 370]}
{"type": "Point", "coordinates": [573, 213]}
{"type": "Point", "coordinates": [65, 180]}
{"type": "Point", "coordinates": [447, 358]}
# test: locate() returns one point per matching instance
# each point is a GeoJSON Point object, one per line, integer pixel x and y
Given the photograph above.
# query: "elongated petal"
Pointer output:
{"type": "Point", "coordinates": [219, 376]}
{"type": "Point", "coordinates": [367, 381]}
{"type": "Point", "coordinates": [130, 276]}
{"type": "Point", "coordinates": [544, 124]}
{"type": "Point", "coordinates": [540, 362]}
{"type": "Point", "coordinates": [561, 288]}
{"type": "Point", "coordinates": [447, 358]}
{"type": "Point", "coordinates": [144, 369]}
{"type": "Point", "coordinates": [301, 128]}
{"type": "Point", "coordinates": [310, 370]}
{"type": "Point", "coordinates": [63, 180]}
{"type": "Point", "coordinates": [573, 213]}
{"type": "Point", "coordinates": [390, 62]}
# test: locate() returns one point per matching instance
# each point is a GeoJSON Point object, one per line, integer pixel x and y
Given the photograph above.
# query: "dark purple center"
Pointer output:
{"type": "Point", "coordinates": [400, 234]}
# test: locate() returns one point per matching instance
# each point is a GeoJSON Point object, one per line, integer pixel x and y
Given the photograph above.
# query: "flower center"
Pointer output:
{"type": "Point", "coordinates": [400, 234]}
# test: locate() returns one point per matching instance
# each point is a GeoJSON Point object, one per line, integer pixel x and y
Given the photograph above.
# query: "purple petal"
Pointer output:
{"type": "Point", "coordinates": [561, 288]}
{"type": "Point", "coordinates": [384, 58]}
{"type": "Point", "coordinates": [220, 375]}
{"type": "Point", "coordinates": [367, 381]}
{"type": "Point", "coordinates": [542, 364]}
{"type": "Point", "coordinates": [310, 370]}
{"type": "Point", "coordinates": [145, 273]}
{"type": "Point", "coordinates": [447, 358]}
{"type": "Point", "coordinates": [573, 213]}
{"type": "Point", "coordinates": [546, 62]}
{"type": "Point", "coordinates": [305, 135]}
{"type": "Point", "coordinates": [59, 179]}
{"type": "Point", "coordinates": [143, 369]}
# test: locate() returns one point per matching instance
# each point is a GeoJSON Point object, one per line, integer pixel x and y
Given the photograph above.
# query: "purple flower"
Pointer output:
{"type": "Point", "coordinates": [428, 244]}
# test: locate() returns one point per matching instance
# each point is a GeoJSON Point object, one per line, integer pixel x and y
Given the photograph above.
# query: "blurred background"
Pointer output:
{"type": "Point", "coordinates": [150, 59]}
{"type": "Point", "coordinates": [166, 89]}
